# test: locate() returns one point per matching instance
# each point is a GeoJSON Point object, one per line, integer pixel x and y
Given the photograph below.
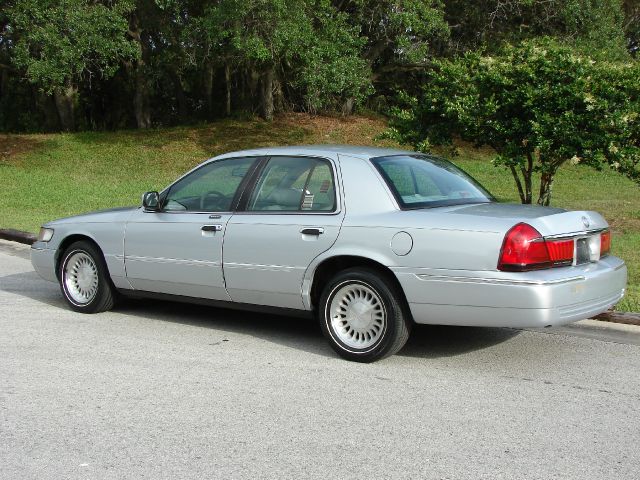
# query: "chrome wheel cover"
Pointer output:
{"type": "Point", "coordinates": [357, 316]}
{"type": "Point", "coordinates": [80, 277]}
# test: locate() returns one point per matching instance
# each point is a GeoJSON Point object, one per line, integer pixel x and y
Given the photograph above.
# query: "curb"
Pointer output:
{"type": "Point", "coordinates": [627, 318]}
{"type": "Point", "coordinates": [17, 236]}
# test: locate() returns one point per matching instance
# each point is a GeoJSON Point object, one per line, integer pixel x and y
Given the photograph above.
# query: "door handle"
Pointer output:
{"type": "Point", "coordinates": [212, 228]}
{"type": "Point", "coordinates": [312, 231]}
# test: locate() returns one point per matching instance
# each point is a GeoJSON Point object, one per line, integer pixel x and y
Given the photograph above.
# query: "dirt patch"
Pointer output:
{"type": "Point", "coordinates": [353, 130]}
{"type": "Point", "coordinates": [12, 147]}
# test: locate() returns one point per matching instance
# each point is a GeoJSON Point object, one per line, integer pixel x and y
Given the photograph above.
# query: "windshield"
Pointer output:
{"type": "Point", "coordinates": [420, 181]}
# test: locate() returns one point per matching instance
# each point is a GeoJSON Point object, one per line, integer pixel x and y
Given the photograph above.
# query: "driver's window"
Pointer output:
{"type": "Point", "coordinates": [211, 188]}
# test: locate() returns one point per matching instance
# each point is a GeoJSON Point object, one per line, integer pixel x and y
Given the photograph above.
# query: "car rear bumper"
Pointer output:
{"type": "Point", "coordinates": [43, 261]}
{"type": "Point", "coordinates": [507, 299]}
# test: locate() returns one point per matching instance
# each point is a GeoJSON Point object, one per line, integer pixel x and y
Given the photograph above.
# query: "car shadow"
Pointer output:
{"type": "Point", "coordinates": [426, 341]}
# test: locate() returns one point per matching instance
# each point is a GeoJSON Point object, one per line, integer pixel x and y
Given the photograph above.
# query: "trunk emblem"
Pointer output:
{"type": "Point", "coordinates": [585, 222]}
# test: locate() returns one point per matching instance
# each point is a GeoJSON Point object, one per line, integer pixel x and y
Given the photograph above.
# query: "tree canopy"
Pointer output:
{"type": "Point", "coordinates": [105, 64]}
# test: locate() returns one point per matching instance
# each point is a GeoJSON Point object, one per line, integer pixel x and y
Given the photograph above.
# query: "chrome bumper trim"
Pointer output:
{"type": "Point", "coordinates": [498, 281]}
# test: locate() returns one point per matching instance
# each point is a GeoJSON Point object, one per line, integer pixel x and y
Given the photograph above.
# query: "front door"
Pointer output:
{"type": "Point", "coordinates": [292, 215]}
{"type": "Point", "coordinates": [178, 250]}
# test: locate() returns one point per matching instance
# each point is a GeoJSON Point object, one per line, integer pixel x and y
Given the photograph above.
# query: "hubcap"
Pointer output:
{"type": "Point", "coordinates": [81, 278]}
{"type": "Point", "coordinates": [357, 316]}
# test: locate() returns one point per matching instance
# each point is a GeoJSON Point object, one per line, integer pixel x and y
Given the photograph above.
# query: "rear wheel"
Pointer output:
{"type": "Point", "coordinates": [362, 315]}
{"type": "Point", "coordinates": [84, 279]}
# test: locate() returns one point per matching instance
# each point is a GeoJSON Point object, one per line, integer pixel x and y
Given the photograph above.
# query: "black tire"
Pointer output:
{"type": "Point", "coordinates": [102, 297]}
{"type": "Point", "coordinates": [389, 335]}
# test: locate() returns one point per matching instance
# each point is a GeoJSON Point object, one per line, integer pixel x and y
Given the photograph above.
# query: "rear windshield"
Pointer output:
{"type": "Point", "coordinates": [420, 181]}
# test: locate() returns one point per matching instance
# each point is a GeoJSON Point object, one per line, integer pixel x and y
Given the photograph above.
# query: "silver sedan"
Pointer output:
{"type": "Point", "coordinates": [367, 240]}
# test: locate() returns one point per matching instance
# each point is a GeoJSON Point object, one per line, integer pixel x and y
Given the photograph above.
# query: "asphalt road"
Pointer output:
{"type": "Point", "coordinates": [159, 390]}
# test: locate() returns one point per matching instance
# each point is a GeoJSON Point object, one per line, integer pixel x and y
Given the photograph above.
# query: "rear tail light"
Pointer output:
{"type": "Point", "coordinates": [525, 249]}
{"type": "Point", "coordinates": [561, 251]}
{"type": "Point", "coordinates": [605, 243]}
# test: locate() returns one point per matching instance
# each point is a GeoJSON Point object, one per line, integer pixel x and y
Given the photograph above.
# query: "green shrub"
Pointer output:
{"type": "Point", "coordinates": [538, 105]}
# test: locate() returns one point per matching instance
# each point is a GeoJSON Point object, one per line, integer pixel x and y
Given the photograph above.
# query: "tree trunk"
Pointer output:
{"type": "Point", "coordinates": [64, 98]}
{"type": "Point", "coordinates": [4, 82]}
{"type": "Point", "coordinates": [527, 174]}
{"type": "Point", "coordinates": [266, 94]}
{"type": "Point", "coordinates": [181, 98]}
{"type": "Point", "coordinates": [347, 106]}
{"type": "Point", "coordinates": [227, 82]}
{"type": "Point", "coordinates": [208, 88]}
{"type": "Point", "coordinates": [546, 184]}
{"type": "Point", "coordinates": [516, 179]}
{"type": "Point", "coordinates": [47, 104]}
{"type": "Point", "coordinates": [141, 96]}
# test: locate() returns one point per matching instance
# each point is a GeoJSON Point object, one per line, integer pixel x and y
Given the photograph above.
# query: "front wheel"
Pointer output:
{"type": "Point", "coordinates": [362, 315]}
{"type": "Point", "coordinates": [84, 279]}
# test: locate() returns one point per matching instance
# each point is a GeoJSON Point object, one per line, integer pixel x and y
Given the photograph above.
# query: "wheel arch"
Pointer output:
{"type": "Point", "coordinates": [329, 267]}
{"type": "Point", "coordinates": [70, 239]}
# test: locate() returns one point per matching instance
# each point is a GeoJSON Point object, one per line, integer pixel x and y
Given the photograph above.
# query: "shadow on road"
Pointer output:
{"type": "Point", "coordinates": [426, 341]}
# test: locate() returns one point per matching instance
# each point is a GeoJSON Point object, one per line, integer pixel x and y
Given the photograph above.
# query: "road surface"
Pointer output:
{"type": "Point", "coordinates": [167, 391]}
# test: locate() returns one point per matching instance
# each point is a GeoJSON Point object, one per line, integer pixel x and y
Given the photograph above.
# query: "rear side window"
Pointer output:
{"type": "Point", "coordinates": [294, 184]}
{"type": "Point", "coordinates": [420, 181]}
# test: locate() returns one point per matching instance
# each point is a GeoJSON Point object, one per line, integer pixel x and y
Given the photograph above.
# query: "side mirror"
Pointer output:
{"type": "Point", "coordinates": [151, 201]}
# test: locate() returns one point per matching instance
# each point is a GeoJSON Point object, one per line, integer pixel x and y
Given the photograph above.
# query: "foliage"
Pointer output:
{"type": "Point", "coordinates": [538, 105]}
{"type": "Point", "coordinates": [108, 64]}
{"type": "Point", "coordinates": [308, 44]}
{"type": "Point", "coordinates": [63, 42]}
{"type": "Point", "coordinates": [596, 26]}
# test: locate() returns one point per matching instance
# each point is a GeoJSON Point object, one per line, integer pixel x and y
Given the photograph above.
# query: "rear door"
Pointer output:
{"type": "Point", "coordinates": [291, 215]}
{"type": "Point", "coordinates": [178, 250]}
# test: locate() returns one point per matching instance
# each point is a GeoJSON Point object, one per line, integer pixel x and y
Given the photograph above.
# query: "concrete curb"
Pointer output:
{"type": "Point", "coordinates": [628, 318]}
{"type": "Point", "coordinates": [17, 236]}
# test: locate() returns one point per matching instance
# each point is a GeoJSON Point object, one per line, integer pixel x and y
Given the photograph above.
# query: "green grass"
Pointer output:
{"type": "Point", "coordinates": [50, 176]}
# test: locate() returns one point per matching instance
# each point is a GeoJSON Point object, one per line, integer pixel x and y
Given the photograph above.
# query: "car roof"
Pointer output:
{"type": "Point", "coordinates": [363, 152]}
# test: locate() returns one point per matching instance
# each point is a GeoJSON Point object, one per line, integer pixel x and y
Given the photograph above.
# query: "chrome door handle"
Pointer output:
{"type": "Point", "coordinates": [211, 228]}
{"type": "Point", "coordinates": [312, 231]}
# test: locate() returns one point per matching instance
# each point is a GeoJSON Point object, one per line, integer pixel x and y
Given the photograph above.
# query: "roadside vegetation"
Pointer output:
{"type": "Point", "coordinates": [47, 176]}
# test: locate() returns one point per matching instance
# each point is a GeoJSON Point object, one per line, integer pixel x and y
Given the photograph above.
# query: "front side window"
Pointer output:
{"type": "Point", "coordinates": [211, 188]}
{"type": "Point", "coordinates": [294, 184]}
{"type": "Point", "coordinates": [420, 181]}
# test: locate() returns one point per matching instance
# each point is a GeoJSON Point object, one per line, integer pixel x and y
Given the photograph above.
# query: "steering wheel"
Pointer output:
{"type": "Point", "coordinates": [210, 193]}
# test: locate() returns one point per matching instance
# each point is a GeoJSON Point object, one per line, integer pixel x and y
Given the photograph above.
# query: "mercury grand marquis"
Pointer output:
{"type": "Point", "coordinates": [367, 240]}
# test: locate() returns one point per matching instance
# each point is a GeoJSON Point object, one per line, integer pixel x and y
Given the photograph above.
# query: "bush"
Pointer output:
{"type": "Point", "coordinates": [537, 104]}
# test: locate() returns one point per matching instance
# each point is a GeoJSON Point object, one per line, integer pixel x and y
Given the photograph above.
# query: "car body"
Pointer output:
{"type": "Point", "coordinates": [409, 235]}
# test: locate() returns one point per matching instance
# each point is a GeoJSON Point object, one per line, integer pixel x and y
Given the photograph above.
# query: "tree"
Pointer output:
{"type": "Point", "coordinates": [304, 45]}
{"type": "Point", "coordinates": [59, 44]}
{"type": "Point", "coordinates": [596, 26]}
{"type": "Point", "coordinates": [538, 105]}
{"type": "Point", "coordinates": [399, 36]}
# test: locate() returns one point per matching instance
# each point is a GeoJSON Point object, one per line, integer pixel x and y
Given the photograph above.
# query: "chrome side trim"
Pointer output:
{"type": "Point", "coordinates": [177, 261]}
{"type": "Point", "coordinates": [497, 281]}
{"type": "Point", "coordinates": [273, 268]}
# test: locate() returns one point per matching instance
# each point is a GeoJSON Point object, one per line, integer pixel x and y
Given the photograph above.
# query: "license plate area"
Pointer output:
{"type": "Point", "coordinates": [587, 249]}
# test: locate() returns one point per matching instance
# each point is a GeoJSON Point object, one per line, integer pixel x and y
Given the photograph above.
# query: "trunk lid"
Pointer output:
{"type": "Point", "coordinates": [548, 221]}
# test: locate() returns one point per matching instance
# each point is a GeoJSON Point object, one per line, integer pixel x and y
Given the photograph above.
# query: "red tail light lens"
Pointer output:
{"type": "Point", "coordinates": [524, 249]}
{"type": "Point", "coordinates": [605, 243]}
{"type": "Point", "coordinates": [560, 251]}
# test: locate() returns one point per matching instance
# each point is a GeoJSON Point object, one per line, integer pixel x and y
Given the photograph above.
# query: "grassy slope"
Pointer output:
{"type": "Point", "coordinates": [51, 176]}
